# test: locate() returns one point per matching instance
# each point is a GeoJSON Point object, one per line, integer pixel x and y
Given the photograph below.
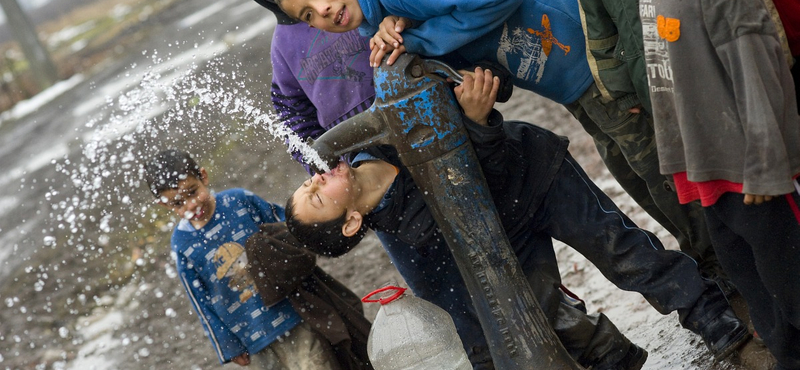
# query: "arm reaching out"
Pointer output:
{"type": "Point", "coordinates": [441, 26]}
{"type": "Point", "coordinates": [388, 39]}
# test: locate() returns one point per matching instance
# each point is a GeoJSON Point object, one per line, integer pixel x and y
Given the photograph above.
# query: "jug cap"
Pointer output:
{"type": "Point", "coordinates": [397, 294]}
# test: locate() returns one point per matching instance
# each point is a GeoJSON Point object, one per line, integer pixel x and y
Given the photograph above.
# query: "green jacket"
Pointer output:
{"type": "Point", "coordinates": [615, 50]}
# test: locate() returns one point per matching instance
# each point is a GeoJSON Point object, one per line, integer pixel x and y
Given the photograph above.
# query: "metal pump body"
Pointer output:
{"type": "Point", "coordinates": [416, 112]}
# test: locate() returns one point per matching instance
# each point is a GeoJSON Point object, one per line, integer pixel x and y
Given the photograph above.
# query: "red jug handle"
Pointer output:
{"type": "Point", "coordinates": [398, 292]}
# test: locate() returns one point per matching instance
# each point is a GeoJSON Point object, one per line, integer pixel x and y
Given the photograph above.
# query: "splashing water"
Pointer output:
{"type": "Point", "coordinates": [156, 106]}
{"type": "Point", "coordinates": [100, 212]}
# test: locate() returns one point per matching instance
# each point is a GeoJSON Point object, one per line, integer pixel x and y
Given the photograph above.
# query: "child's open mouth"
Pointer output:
{"type": "Point", "coordinates": [199, 214]}
{"type": "Point", "coordinates": [341, 17]}
{"type": "Point", "coordinates": [336, 169]}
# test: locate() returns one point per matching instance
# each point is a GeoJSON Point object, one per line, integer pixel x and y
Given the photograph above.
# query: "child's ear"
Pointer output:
{"type": "Point", "coordinates": [352, 224]}
{"type": "Point", "coordinates": [203, 176]}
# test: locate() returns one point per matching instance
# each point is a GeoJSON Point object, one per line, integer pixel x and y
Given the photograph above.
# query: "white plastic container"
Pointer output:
{"type": "Point", "coordinates": [410, 333]}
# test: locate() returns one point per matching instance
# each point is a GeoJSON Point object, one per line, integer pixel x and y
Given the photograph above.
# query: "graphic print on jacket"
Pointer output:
{"type": "Point", "coordinates": [338, 55]}
{"type": "Point", "coordinates": [543, 46]}
{"type": "Point", "coordinates": [657, 30]}
{"type": "Point", "coordinates": [535, 46]}
{"type": "Point", "coordinates": [211, 263]}
{"type": "Point", "coordinates": [231, 262]}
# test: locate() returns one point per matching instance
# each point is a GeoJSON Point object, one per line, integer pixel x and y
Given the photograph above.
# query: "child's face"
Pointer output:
{"type": "Point", "coordinates": [328, 15]}
{"type": "Point", "coordinates": [325, 197]}
{"type": "Point", "coordinates": [191, 200]}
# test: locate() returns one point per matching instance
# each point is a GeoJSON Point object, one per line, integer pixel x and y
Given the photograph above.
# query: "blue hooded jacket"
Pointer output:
{"type": "Point", "coordinates": [541, 44]}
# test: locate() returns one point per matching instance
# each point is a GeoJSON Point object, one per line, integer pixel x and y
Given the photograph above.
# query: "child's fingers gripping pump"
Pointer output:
{"type": "Point", "coordinates": [410, 333]}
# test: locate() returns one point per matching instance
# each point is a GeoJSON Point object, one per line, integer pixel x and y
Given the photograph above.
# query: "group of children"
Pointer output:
{"type": "Point", "coordinates": [691, 105]}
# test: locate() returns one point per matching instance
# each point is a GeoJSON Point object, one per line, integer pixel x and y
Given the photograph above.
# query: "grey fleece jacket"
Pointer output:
{"type": "Point", "coordinates": [722, 93]}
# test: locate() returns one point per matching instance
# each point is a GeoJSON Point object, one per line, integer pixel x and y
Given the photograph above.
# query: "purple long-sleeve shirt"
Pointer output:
{"type": "Point", "coordinates": [316, 76]}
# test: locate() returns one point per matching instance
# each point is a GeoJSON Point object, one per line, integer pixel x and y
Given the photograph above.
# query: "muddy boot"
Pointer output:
{"type": "Point", "coordinates": [634, 359]}
{"type": "Point", "coordinates": [724, 334]}
{"type": "Point", "coordinates": [740, 308]}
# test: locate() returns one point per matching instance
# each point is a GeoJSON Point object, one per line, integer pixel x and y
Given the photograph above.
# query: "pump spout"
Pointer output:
{"type": "Point", "coordinates": [364, 130]}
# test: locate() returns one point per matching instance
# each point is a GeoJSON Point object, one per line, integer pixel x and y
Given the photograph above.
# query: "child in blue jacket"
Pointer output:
{"type": "Point", "coordinates": [208, 248]}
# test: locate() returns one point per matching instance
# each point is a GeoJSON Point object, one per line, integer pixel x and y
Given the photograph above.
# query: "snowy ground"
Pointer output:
{"type": "Point", "coordinates": [143, 321]}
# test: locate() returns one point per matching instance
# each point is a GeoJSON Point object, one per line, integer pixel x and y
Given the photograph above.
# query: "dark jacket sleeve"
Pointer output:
{"type": "Point", "coordinates": [281, 269]}
{"type": "Point", "coordinates": [336, 312]}
{"type": "Point", "coordinates": [277, 266]}
{"type": "Point", "coordinates": [490, 145]}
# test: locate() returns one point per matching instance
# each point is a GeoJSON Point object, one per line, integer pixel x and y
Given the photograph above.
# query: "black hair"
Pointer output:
{"type": "Point", "coordinates": [323, 238]}
{"type": "Point", "coordinates": [273, 6]}
{"type": "Point", "coordinates": [167, 168]}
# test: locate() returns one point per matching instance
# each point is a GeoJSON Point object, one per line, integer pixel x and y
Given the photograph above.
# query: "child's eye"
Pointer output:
{"type": "Point", "coordinates": [307, 17]}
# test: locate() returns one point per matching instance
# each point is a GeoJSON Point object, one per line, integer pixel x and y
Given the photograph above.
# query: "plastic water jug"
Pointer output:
{"type": "Point", "coordinates": [410, 333]}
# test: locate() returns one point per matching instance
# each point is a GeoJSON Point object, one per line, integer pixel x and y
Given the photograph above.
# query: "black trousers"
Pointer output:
{"type": "Point", "coordinates": [759, 247]}
{"type": "Point", "coordinates": [576, 212]}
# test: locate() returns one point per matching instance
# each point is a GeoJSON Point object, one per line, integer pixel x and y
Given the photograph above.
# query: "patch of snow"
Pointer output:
{"type": "Point", "coordinates": [69, 33]}
{"type": "Point", "coordinates": [99, 323]}
{"type": "Point", "coordinates": [94, 355]}
{"type": "Point", "coordinates": [120, 11]}
{"type": "Point", "coordinates": [57, 150]}
{"type": "Point", "coordinates": [25, 107]}
{"type": "Point", "coordinates": [202, 14]}
{"type": "Point", "coordinates": [7, 204]}
{"type": "Point", "coordinates": [244, 8]}
{"type": "Point", "coordinates": [172, 67]}
{"type": "Point", "coordinates": [264, 25]}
